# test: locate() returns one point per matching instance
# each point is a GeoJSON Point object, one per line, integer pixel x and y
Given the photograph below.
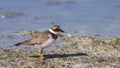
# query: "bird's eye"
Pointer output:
{"type": "Point", "coordinates": [58, 28]}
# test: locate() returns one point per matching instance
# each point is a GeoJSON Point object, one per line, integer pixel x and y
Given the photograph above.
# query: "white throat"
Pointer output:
{"type": "Point", "coordinates": [53, 31]}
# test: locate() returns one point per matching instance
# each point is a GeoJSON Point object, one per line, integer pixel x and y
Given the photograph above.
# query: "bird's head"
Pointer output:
{"type": "Point", "coordinates": [55, 29]}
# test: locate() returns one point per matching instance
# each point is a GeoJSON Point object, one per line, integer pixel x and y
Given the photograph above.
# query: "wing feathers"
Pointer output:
{"type": "Point", "coordinates": [39, 38]}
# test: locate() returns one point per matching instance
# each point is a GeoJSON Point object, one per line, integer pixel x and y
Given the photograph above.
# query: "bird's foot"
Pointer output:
{"type": "Point", "coordinates": [41, 57]}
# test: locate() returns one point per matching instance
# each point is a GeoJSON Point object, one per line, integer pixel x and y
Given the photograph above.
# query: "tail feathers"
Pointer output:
{"type": "Point", "coordinates": [27, 42]}
{"type": "Point", "coordinates": [18, 44]}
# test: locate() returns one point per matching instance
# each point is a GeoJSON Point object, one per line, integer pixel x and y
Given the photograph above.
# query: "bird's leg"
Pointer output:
{"type": "Point", "coordinates": [41, 54]}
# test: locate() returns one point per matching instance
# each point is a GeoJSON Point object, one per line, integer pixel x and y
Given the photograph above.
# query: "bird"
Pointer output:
{"type": "Point", "coordinates": [42, 40]}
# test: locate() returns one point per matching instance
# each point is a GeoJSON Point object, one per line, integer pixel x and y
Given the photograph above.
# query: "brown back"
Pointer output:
{"type": "Point", "coordinates": [38, 38]}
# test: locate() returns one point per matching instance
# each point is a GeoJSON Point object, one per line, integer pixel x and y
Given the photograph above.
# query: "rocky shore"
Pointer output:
{"type": "Point", "coordinates": [74, 52]}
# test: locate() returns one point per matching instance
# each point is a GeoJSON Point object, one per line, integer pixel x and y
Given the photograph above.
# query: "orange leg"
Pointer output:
{"type": "Point", "coordinates": [40, 52]}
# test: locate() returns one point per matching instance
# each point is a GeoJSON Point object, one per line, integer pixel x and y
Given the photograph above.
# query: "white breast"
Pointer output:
{"type": "Point", "coordinates": [48, 43]}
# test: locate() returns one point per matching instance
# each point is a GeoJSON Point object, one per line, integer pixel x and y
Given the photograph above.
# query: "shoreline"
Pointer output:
{"type": "Point", "coordinates": [76, 52]}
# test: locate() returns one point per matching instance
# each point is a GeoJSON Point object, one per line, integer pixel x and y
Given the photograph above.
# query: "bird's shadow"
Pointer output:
{"type": "Point", "coordinates": [60, 55]}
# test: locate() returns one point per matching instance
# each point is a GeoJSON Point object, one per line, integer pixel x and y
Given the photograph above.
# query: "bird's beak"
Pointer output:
{"type": "Point", "coordinates": [62, 30]}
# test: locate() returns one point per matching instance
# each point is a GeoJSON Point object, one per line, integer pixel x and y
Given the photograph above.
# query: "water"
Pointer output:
{"type": "Point", "coordinates": [87, 17]}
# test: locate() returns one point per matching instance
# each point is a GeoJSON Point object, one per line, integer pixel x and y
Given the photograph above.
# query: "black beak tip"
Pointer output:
{"type": "Point", "coordinates": [62, 31]}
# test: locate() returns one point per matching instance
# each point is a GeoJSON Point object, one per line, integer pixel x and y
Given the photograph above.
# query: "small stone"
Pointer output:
{"type": "Point", "coordinates": [3, 16]}
{"type": "Point", "coordinates": [69, 35]}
